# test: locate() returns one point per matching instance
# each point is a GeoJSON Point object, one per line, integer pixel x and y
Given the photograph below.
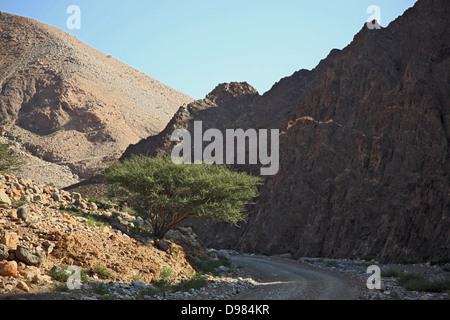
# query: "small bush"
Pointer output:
{"type": "Point", "coordinates": [193, 283]}
{"type": "Point", "coordinates": [166, 273]}
{"type": "Point", "coordinates": [208, 265]}
{"type": "Point", "coordinates": [416, 282]}
{"type": "Point", "coordinates": [8, 158]}
{"type": "Point", "coordinates": [102, 271]}
{"type": "Point", "coordinates": [62, 275]}
{"type": "Point", "coordinates": [148, 291]}
{"type": "Point", "coordinates": [165, 279]}
{"type": "Point", "coordinates": [390, 274]}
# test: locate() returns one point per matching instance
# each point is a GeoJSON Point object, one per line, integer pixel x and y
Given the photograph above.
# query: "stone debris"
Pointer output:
{"type": "Point", "coordinates": [390, 289]}
{"type": "Point", "coordinates": [42, 227]}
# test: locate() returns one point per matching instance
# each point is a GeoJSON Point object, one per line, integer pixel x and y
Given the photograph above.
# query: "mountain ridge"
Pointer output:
{"type": "Point", "coordinates": [66, 101]}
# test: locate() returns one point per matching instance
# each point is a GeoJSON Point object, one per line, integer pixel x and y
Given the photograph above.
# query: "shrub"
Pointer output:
{"type": "Point", "coordinates": [102, 271]}
{"type": "Point", "coordinates": [208, 265]}
{"type": "Point", "coordinates": [416, 282]}
{"type": "Point", "coordinates": [390, 273]}
{"type": "Point", "coordinates": [8, 158]}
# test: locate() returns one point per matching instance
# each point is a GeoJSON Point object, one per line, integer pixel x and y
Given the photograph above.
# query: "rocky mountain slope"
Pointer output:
{"type": "Point", "coordinates": [65, 101]}
{"type": "Point", "coordinates": [364, 147]}
{"type": "Point", "coordinates": [43, 229]}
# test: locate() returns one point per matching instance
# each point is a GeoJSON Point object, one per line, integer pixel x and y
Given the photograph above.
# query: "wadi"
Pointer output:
{"type": "Point", "coordinates": [116, 186]}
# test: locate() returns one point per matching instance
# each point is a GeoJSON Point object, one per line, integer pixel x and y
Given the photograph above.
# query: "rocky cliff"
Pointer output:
{"type": "Point", "coordinates": [66, 101]}
{"type": "Point", "coordinates": [365, 158]}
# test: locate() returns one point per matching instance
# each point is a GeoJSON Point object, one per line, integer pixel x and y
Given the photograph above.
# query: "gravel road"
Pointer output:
{"type": "Point", "coordinates": [281, 279]}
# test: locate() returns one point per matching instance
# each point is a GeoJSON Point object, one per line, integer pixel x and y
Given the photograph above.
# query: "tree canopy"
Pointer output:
{"type": "Point", "coordinates": [170, 193]}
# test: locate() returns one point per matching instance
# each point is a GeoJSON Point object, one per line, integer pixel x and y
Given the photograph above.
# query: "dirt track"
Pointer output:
{"type": "Point", "coordinates": [282, 279]}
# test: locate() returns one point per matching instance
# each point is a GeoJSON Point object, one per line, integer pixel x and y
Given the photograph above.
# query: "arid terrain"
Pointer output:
{"type": "Point", "coordinates": [364, 171]}
{"type": "Point", "coordinates": [364, 148]}
{"type": "Point", "coordinates": [66, 102]}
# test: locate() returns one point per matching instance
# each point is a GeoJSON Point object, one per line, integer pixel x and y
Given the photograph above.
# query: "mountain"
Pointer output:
{"type": "Point", "coordinates": [65, 101]}
{"type": "Point", "coordinates": [364, 148]}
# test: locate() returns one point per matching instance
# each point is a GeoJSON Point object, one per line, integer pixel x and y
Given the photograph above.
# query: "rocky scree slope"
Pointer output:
{"type": "Point", "coordinates": [65, 101]}
{"type": "Point", "coordinates": [43, 229]}
{"type": "Point", "coordinates": [364, 151]}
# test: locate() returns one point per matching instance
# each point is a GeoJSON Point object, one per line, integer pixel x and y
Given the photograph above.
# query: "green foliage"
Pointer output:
{"type": "Point", "coordinates": [390, 273]}
{"type": "Point", "coordinates": [8, 158]}
{"type": "Point", "coordinates": [416, 282]}
{"type": "Point", "coordinates": [165, 281]}
{"type": "Point", "coordinates": [102, 271]}
{"type": "Point", "coordinates": [170, 193]}
{"type": "Point", "coordinates": [208, 265]}
{"type": "Point", "coordinates": [61, 275]}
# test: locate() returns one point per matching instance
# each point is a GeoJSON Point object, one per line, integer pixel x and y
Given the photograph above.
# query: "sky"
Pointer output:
{"type": "Point", "coordinates": [194, 45]}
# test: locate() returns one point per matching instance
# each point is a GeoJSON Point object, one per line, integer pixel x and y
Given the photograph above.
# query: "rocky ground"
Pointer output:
{"type": "Point", "coordinates": [40, 171]}
{"type": "Point", "coordinates": [390, 289]}
{"type": "Point", "coordinates": [43, 230]}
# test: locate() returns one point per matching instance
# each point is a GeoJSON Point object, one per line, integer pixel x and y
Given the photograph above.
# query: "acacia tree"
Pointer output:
{"type": "Point", "coordinates": [170, 193]}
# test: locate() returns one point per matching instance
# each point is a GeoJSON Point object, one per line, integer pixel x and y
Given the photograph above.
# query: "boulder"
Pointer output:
{"type": "Point", "coordinates": [163, 245]}
{"type": "Point", "coordinates": [10, 240]}
{"type": "Point", "coordinates": [4, 254]}
{"type": "Point", "coordinates": [8, 269]}
{"type": "Point", "coordinates": [25, 254]}
{"type": "Point", "coordinates": [223, 254]}
{"type": "Point", "coordinates": [22, 213]}
{"type": "Point", "coordinates": [5, 201]}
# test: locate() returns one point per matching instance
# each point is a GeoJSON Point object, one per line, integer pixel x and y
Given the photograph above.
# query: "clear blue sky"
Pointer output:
{"type": "Point", "coordinates": [193, 45]}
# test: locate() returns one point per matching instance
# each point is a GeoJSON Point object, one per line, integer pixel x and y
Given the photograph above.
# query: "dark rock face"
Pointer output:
{"type": "Point", "coordinates": [364, 149]}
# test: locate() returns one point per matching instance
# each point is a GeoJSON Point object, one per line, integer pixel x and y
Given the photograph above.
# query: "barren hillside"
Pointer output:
{"type": "Point", "coordinates": [65, 101]}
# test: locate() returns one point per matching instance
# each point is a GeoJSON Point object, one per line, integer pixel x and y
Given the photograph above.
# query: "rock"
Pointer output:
{"type": "Point", "coordinates": [22, 214]}
{"type": "Point", "coordinates": [16, 193]}
{"type": "Point", "coordinates": [56, 269]}
{"type": "Point", "coordinates": [71, 221]}
{"type": "Point", "coordinates": [26, 255]}
{"type": "Point", "coordinates": [13, 215]}
{"type": "Point", "coordinates": [223, 254]}
{"type": "Point", "coordinates": [30, 272]}
{"type": "Point", "coordinates": [49, 246]}
{"type": "Point", "coordinates": [55, 196]}
{"type": "Point", "coordinates": [76, 196]}
{"type": "Point", "coordinates": [4, 254]}
{"type": "Point", "coordinates": [37, 197]}
{"type": "Point", "coordinates": [5, 201]}
{"type": "Point", "coordinates": [26, 198]}
{"type": "Point", "coordinates": [163, 245]}
{"type": "Point", "coordinates": [82, 205]}
{"type": "Point", "coordinates": [223, 269]}
{"type": "Point", "coordinates": [139, 284]}
{"type": "Point", "coordinates": [23, 286]}
{"type": "Point", "coordinates": [8, 268]}
{"type": "Point", "coordinates": [92, 206]}
{"type": "Point", "coordinates": [10, 240]}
